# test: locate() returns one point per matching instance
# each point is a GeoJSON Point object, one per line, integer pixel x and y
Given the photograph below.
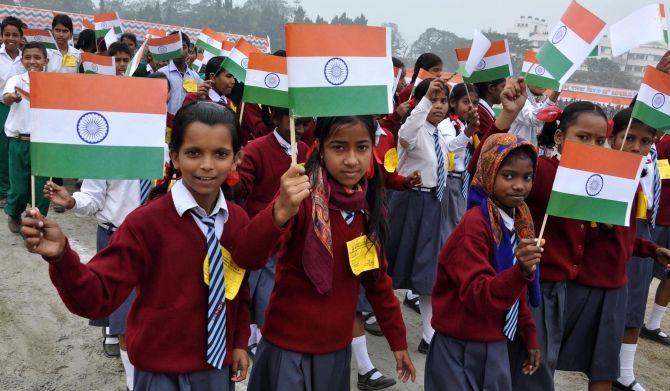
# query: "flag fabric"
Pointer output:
{"type": "Point", "coordinates": [165, 48]}
{"type": "Point", "coordinates": [210, 41]}
{"type": "Point", "coordinates": [664, 22]}
{"type": "Point", "coordinates": [421, 76]}
{"type": "Point", "coordinates": [110, 38]}
{"type": "Point", "coordinates": [647, 27]}
{"type": "Point", "coordinates": [197, 63]}
{"type": "Point", "coordinates": [137, 58]}
{"type": "Point", "coordinates": [237, 60]}
{"type": "Point", "coordinates": [595, 52]}
{"type": "Point", "coordinates": [339, 70]}
{"type": "Point", "coordinates": [97, 130]}
{"type": "Point", "coordinates": [571, 41]}
{"type": "Point", "coordinates": [495, 64]}
{"type": "Point", "coordinates": [42, 36]}
{"type": "Point", "coordinates": [535, 73]}
{"type": "Point", "coordinates": [652, 105]}
{"type": "Point", "coordinates": [226, 48]}
{"type": "Point", "coordinates": [87, 24]}
{"type": "Point", "coordinates": [267, 80]}
{"type": "Point", "coordinates": [156, 33]}
{"type": "Point", "coordinates": [97, 64]}
{"type": "Point", "coordinates": [104, 22]}
{"type": "Point", "coordinates": [595, 184]}
{"type": "Point", "coordinates": [474, 55]}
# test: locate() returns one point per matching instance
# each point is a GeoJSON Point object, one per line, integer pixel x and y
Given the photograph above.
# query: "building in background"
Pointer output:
{"type": "Point", "coordinates": [533, 29]}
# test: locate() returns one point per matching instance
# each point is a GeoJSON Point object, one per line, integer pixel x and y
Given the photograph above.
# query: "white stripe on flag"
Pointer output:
{"type": "Point", "coordinates": [360, 71]}
{"type": "Point", "coordinates": [256, 78]}
{"type": "Point", "coordinates": [237, 56]}
{"type": "Point", "coordinates": [571, 181]}
{"type": "Point", "coordinates": [571, 45]}
{"type": "Point", "coordinates": [490, 62]}
{"type": "Point", "coordinates": [537, 70]}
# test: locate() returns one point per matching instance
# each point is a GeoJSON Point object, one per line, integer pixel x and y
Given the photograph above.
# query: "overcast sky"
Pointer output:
{"type": "Point", "coordinates": [462, 17]}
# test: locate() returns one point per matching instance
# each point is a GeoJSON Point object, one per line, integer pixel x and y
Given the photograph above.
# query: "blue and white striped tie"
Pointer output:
{"type": "Point", "coordinates": [466, 174]}
{"type": "Point", "coordinates": [512, 316]}
{"type": "Point", "coordinates": [145, 187]}
{"type": "Point", "coordinates": [216, 303]}
{"type": "Point", "coordinates": [441, 174]}
{"type": "Point", "coordinates": [349, 217]}
{"type": "Point", "coordinates": [656, 188]}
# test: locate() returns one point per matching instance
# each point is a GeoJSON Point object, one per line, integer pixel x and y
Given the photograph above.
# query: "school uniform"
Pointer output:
{"type": "Point", "coordinates": [526, 125]}
{"type": "Point", "coordinates": [307, 332]}
{"type": "Point", "coordinates": [59, 63]}
{"type": "Point", "coordinates": [176, 79]}
{"type": "Point", "coordinates": [8, 68]}
{"type": "Point", "coordinates": [392, 121]}
{"type": "Point", "coordinates": [265, 160]}
{"type": "Point", "coordinates": [212, 96]}
{"type": "Point", "coordinates": [17, 129]}
{"type": "Point", "coordinates": [167, 327]}
{"type": "Point", "coordinates": [457, 142]}
{"type": "Point", "coordinates": [418, 225]}
{"type": "Point", "coordinates": [470, 304]}
{"type": "Point", "coordinates": [487, 118]}
{"type": "Point", "coordinates": [661, 233]}
{"type": "Point", "coordinates": [253, 125]}
{"type": "Point", "coordinates": [384, 141]}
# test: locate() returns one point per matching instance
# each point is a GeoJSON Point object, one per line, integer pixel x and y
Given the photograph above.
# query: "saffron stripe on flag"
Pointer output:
{"type": "Point", "coordinates": [657, 80]}
{"type": "Point", "coordinates": [352, 41]}
{"type": "Point", "coordinates": [267, 63]}
{"type": "Point", "coordinates": [582, 21]}
{"type": "Point", "coordinates": [599, 160]}
{"type": "Point", "coordinates": [497, 47]}
{"type": "Point", "coordinates": [588, 208]}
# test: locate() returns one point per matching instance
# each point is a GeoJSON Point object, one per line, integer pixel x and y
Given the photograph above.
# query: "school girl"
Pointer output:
{"type": "Point", "coordinates": [65, 58]}
{"type": "Point", "coordinates": [527, 125]}
{"type": "Point", "coordinates": [427, 61]}
{"type": "Point", "coordinates": [418, 222]}
{"type": "Point", "coordinates": [489, 95]}
{"type": "Point", "coordinates": [479, 299]}
{"type": "Point", "coordinates": [11, 30]}
{"type": "Point", "coordinates": [176, 340]}
{"type": "Point", "coordinates": [217, 87]}
{"type": "Point", "coordinates": [334, 239]}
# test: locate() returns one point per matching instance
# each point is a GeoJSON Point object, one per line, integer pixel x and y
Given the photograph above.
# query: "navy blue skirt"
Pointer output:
{"type": "Point", "coordinates": [261, 283]}
{"type": "Point", "coordinates": [212, 380]}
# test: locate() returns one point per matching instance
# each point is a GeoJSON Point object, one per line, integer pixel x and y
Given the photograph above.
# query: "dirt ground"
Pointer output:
{"type": "Point", "coordinates": [44, 347]}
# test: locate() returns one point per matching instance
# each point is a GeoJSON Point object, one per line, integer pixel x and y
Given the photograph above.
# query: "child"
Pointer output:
{"type": "Point", "coordinates": [217, 87]}
{"type": "Point", "coordinates": [65, 59]}
{"type": "Point", "coordinates": [418, 224]}
{"type": "Point", "coordinates": [479, 299]}
{"type": "Point", "coordinates": [427, 61]}
{"type": "Point", "coordinates": [122, 56]}
{"type": "Point", "coordinates": [130, 40]}
{"type": "Point", "coordinates": [527, 125]}
{"type": "Point", "coordinates": [17, 128]}
{"type": "Point", "coordinates": [86, 41]}
{"type": "Point", "coordinates": [639, 140]}
{"type": "Point", "coordinates": [180, 76]}
{"type": "Point", "coordinates": [172, 341]}
{"type": "Point", "coordinates": [489, 95]}
{"type": "Point", "coordinates": [10, 64]}
{"type": "Point", "coordinates": [334, 209]}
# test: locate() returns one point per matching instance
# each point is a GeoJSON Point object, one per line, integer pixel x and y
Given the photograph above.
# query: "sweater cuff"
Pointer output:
{"type": "Point", "coordinates": [530, 337]}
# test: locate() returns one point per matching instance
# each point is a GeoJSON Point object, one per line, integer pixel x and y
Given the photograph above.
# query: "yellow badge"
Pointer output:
{"type": "Point", "coordinates": [69, 61]}
{"type": "Point", "coordinates": [641, 212]}
{"type": "Point", "coordinates": [362, 255]}
{"type": "Point", "coordinates": [190, 85]}
{"type": "Point", "coordinates": [232, 274]}
{"type": "Point", "coordinates": [391, 160]}
{"type": "Point", "coordinates": [451, 156]}
{"type": "Point", "coordinates": [664, 168]}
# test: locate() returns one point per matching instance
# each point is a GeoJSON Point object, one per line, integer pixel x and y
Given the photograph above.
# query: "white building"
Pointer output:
{"type": "Point", "coordinates": [532, 29]}
{"type": "Point", "coordinates": [635, 61]}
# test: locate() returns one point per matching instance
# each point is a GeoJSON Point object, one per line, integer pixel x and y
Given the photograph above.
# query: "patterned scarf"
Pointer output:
{"type": "Point", "coordinates": [317, 259]}
{"type": "Point", "coordinates": [493, 152]}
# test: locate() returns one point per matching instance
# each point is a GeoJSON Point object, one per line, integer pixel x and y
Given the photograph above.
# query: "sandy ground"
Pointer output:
{"type": "Point", "coordinates": [44, 347]}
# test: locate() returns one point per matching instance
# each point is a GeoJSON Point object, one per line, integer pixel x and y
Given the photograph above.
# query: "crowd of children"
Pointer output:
{"type": "Point", "coordinates": [238, 254]}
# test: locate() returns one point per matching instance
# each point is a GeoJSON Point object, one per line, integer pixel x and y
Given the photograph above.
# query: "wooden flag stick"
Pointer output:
{"type": "Point", "coordinates": [241, 112]}
{"type": "Point", "coordinates": [32, 191]}
{"type": "Point", "coordinates": [294, 145]}
{"type": "Point", "coordinates": [544, 225]}
{"type": "Point", "coordinates": [625, 135]}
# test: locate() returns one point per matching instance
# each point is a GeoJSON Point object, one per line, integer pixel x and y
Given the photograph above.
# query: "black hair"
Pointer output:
{"type": "Point", "coordinates": [570, 115]}
{"type": "Point", "coordinates": [425, 61]}
{"type": "Point", "coordinates": [522, 152]}
{"type": "Point", "coordinates": [280, 53]}
{"type": "Point", "coordinates": [277, 111]}
{"type": "Point", "coordinates": [621, 119]}
{"type": "Point", "coordinates": [184, 38]}
{"type": "Point", "coordinates": [119, 47]}
{"type": "Point", "coordinates": [457, 93]}
{"type": "Point", "coordinates": [35, 45]}
{"type": "Point", "coordinates": [160, 75]}
{"type": "Point", "coordinates": [397, 62]}
{"type": "Point", "coordinates": [12, 21]}
{"type": "Point", "coordinates": [376, 199]}
{"type": "Point", "coordinates": [483, 87]}
{"type": "Point", "coordinates": [214, 66]}
{"type": "Point", "coordinates": [422, 89]}
{"type": "Point", "coordinates": [86, 41]}
{"type": "Point", "coordinates": [208, 113]}
{"type": "Point", "coordinates": [129, 36]}
{"type": "Point", "coordinates": [64, 20]}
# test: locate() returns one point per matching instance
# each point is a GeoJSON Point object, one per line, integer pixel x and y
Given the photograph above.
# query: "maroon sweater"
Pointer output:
{"type": "Point", "coordinates": [470, 300]}
{"type": "Point", "coordinates": [392, 180]}
{"type": "Point", "coordinates": [160, 255]}
{"type": "Point", "coordinates": [300, 319]}
{"type": "Point", "coordinates": [261, 170]}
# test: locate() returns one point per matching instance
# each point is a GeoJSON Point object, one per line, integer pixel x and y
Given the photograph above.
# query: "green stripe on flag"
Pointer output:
{"type": "Point", "coordinates": [96, 161]}
{"type": "Point", "coordinates": [587, 208]}
{"type": "Point", "coordinates": [496, 73]}
{"type": "Point", "coordinates": [49, 45]}
{"type": "Point", "coordinates": [207, 47]}
{"type": "Point", "coordinates": [336, 101]}
{"type": "Point", "coordinates": [265, 96]}
{"type": "Point", "coordinates": [539, 81]}
{"type": "Point", "coordinates": [554, 60]}
{"type": "Point", "coordinates": [101, 33]}
{"type": "Point", "coordinates": [167, 56]}
{"type": "Point", "coordinates": [234, 68]}
{"type": "Point", "coordinates": [665, 36]}
{"type": "Point", "coordinates": [652, 117]}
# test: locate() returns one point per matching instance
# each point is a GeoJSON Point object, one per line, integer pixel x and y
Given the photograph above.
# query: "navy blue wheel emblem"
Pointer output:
{"type": "Point", "coordinates": [539, 70]}
{"type": "Point", "coordinates": [245, 63]}
{"type": "Point", "coordinates": [94, 67]}
{"type": "Point", "coordinates": [594, 185]}
{"type": "Point", "coordinates": [658, 101]}
{"type": "Point", "coordinates": [559, 35]}
{"type": "Point", "coordinates": [162, 49]}
{"type": "Point", "coordinates": [92, 128]}
{"type": "Point", "coordinates": [272, 80]}
{"type": "Point", "coordinates": [481, 65]}
{"type": "Point", "coordinates": [336, 71]}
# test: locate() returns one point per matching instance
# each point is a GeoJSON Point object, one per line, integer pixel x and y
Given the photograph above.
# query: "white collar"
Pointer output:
{"type": "Point", "coordinates": [507, 220]}
{"type": "Point", "coordinates": [485, 104]}
{"type": "Point", "coordinates": [379, 133]}
{"type": "Point", "coordinates": [3, 50]}
{"type": "Point", "coordinates": [215, 97]}
{"type": "Point", "coordinates": [184, 201]}
{"type": "Point", "coordinates": [286, 146]}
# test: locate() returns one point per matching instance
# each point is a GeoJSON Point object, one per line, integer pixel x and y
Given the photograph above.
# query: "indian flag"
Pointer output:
{"type": "Point", "coordinates": [197, 64]}
{"type": "Point", "coordinates": [226, 48]}
{"type": "Point", "coordinates": [210, 41]}
{"type": "Point", "coordinates": [98, 130]}
{"type": "Point", "coordinates": [267, 80]}
{"type": "Point", "coordinates": [652, 105]}
{"type": "Point", "coordinates": [165, 48]}
{"type": "Point", "coordinates": [595, 184]}
{"type": "Point", "coordinates": [339, 70]}
{"type": "Point", "coordinates": [97, 64]}
{"type": "Point", "coordinates": [421, 76]}
{"type": "Point", "coordinates": [156, 33]}
{"type": "Point", "coordinates": [105, 22]}
{"type": "Point", "coordinates": [237, 60]}
{"type": "Point", "coordinates": [496, 63]}
{"type": "Point", "coordinates": [42, 36]}
{"type": "Point", "coordinates": [664, 22]}
{"type": "Point", "coordinates": [535, 73]}
{"type": "Point", "coordinates": [571, 41]}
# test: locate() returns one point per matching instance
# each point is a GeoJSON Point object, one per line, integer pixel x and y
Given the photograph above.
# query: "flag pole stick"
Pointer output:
{"type": "Point", "coordinates": [294, 146]}
{"type": "Point", "coordinates": [32, 191]}
{"type": "Point", "coordinates": [241, 112]}
{"type": "Point", "coordinates": [625, 135]}
{"type": "Point", "coordinates": [544, 225]}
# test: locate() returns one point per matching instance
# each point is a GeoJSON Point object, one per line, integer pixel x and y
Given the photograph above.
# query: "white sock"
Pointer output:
{"type": "Point", "coordinates": [655, 317]}
{"type": "Point", "coordinates": [129, 368]}
{"type": "Point", "coordinates": [360, 349]}
{"type": "Point", "coordinates": [411, 295]}
{"type": "Point", "coordinates": [111, 341]}
{"type": "Point", "coordinates": [426, 308]}
{"type": "Point", "coordinates": [252, 336]}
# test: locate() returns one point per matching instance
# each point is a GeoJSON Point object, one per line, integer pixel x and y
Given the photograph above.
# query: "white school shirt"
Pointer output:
{"type": "Point", "coordinates": [526, 125]}
{"type": "Point", "coordinates": [456, 142]}
{"type": "Point", "coordinates": [184, 201]}
{"type": "Point", "coordinates": [9, 66]}
{"type": "Point", "coordinates": [416, 148]}
{"type": "Point", "coordinates": [285, 145]}
{"type": "Point", "coordinates": [18, 120]}
{"type": "Point", "coordinates": [56, 58]}
{"type": "Point", "coordinates": [176, 80]}
{"type": "Point", "coordinates": [110, 201]}
{"type": "Point", "coordinates": [216, 98]}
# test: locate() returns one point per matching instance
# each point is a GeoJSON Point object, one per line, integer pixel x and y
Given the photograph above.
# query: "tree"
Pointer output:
{"type": "Point", "coordinates": [605, 73]}
{"type": "Point", "coordinates": [320, 20]}
{"type": "Point", "coordinates": [439, 42]}
{"type": "Point", "coordinates": [361, 20]}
